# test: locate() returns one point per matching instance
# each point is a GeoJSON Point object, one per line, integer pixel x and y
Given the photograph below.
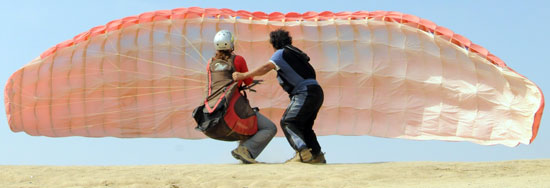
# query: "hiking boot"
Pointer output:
{"type": "Point", "coordinates": [318, 159]}
{"type": "Point", "coordinates": [295, 159]}
{"type": "Point", "coordinates": [305, 155]}
{"type": "Point", "coordinates": [242, 154]}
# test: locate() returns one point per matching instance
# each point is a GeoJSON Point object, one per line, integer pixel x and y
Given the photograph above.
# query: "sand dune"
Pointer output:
{"type": "Point", "coordinates": [524, 173]}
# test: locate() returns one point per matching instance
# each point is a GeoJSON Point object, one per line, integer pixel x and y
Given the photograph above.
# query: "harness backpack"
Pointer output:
{"type": "Point", "coordinates": [226, 113]}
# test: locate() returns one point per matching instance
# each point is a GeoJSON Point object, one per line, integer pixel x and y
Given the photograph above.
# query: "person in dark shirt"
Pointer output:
{"type": "Point", "coordinates": [297, 77]}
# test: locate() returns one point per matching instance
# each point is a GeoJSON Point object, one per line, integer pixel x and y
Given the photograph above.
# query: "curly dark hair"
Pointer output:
{"type": "Point", "coordinates": [280, 38]}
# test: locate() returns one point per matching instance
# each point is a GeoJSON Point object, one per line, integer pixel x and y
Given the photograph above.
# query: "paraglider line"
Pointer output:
{"type": "Point", "coordinates": [89, 99]}
{"type": "Point", "coordinates": [145, 60]}
{"type": "Point", "coordinates": [134, 118]}
{"type": "Point", "coordinates": [117, 111]}
{"type": "Point", "coordinates": [187, 40]}
{"type": "Point", "coordinates": [158, 63]}
{"type": "Point", "coordinates": [170, 77]}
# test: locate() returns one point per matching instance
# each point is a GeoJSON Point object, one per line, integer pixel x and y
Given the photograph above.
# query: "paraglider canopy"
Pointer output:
{"type": "Point", "coordinates": [386, 74]}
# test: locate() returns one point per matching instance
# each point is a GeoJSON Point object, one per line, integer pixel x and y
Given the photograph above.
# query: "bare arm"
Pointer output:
{"type": "Point", "coordinates": [256, 72]}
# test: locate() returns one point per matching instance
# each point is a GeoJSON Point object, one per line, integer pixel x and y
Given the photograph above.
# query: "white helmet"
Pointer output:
{"type": "Point", "coordinates": [223, 40]}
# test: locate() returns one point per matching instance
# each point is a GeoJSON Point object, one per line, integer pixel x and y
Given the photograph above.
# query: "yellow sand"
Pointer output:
{"type": "Point", "coordinates": [525, 173]}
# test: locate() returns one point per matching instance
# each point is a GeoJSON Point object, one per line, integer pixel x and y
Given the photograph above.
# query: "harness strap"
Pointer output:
{"type": "Point", "coordinates": [232, 63]}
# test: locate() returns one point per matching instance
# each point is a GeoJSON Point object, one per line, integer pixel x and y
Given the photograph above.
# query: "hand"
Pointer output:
{"type": "Point", "coordinates": [238, 76]}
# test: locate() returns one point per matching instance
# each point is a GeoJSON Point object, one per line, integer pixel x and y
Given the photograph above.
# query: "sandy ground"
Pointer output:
{"type": "Point", "coordinates": [525, 173]}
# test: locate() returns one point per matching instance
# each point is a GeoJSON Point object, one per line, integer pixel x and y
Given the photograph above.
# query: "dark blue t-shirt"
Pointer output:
{"type": "Point", "coordinates": [293, 69]}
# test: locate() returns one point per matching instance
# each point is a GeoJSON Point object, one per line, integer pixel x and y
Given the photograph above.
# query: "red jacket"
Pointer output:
{"type": "Point", "coordinates": [240, 66]}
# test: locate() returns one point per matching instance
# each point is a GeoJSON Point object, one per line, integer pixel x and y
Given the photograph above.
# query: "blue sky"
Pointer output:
{"type": "Point", "coordinates": [515, 31]}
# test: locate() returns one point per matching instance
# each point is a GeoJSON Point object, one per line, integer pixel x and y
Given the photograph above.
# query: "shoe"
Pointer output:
{"type": "Point", "coordinates": [305, 155]}
{"type": "Point", "coordinates": [319, 159]}
{"type": "Point", "coordinates": [295, 159]}
{"type": "Point", "coordinates": [241, 153]}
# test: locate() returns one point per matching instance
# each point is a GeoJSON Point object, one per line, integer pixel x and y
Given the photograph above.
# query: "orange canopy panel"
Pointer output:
{"type": "Point", "coordinates": [385, 74]}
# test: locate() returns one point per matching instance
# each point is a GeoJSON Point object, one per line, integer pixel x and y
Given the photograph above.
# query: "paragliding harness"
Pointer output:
{"type": "Point", "coordinates": [226, 113]}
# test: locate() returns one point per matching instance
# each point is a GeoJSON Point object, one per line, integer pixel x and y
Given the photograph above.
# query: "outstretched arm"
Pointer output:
{"type": "Point", "coordinates": [256, 72]}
